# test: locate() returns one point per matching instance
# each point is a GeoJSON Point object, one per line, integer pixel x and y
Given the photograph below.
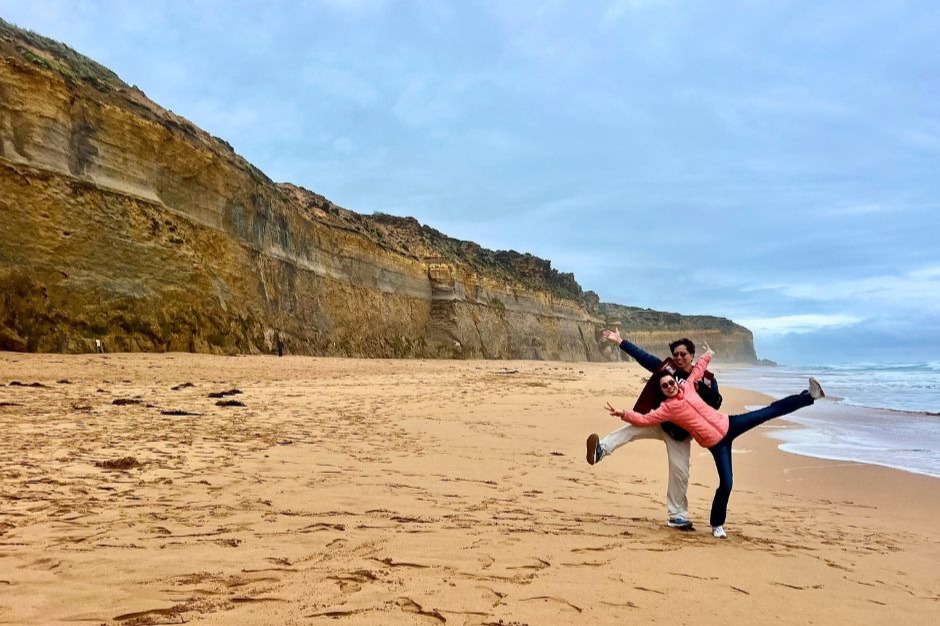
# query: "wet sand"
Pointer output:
{"type": "Point", "coordinates": [418, 492]}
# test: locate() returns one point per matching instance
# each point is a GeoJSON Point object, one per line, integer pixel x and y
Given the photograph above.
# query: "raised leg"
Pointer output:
{"type": "Point", "coordinates": [740, 424]}
{"type": "Point", "coordinates": [628, 433]}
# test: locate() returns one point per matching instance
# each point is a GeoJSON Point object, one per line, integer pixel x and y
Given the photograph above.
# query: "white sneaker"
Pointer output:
{"type": "Point", "coordinates": [815, 389]}
{"type": "Point", "coordinates": [719, 533]}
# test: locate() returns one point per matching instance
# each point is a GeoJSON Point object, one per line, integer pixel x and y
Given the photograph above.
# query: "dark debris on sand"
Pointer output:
{"type": "Point", "coordinates": [222, 394]}
{"type": "Point", "coordinates": [229, 403]}
{"type": "Point", "coordinates": [126, 401]}
{"type": "Point", "coordinates": [125, 463]}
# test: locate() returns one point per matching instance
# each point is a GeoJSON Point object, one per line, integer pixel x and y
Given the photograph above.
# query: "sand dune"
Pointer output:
{"type": "Point", "coordinates": [416, 492]}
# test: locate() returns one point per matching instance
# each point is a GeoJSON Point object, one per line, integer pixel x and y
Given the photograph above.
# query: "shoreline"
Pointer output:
{"type": "Point", "coordinates": [851, 386]}
{"type": "Point", "coordinates": [840, 431]}
{"type": "Point", "coordinates": [850, 479]}
{"type": "Point", "coordinates": [372, 493]}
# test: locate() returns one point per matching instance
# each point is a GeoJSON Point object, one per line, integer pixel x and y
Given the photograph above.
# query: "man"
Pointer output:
{"type": "Point", "coordinates": [678, 442]}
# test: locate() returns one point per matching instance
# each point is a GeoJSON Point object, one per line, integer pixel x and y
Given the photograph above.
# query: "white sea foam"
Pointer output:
{"type": "Point", "coordinates": [912, 387]}
{"type": "Point", "coordinates": [881, 414]}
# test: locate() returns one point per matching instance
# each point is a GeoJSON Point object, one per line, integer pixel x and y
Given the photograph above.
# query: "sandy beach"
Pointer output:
{"type": "Point", "coordinates": [340, 491]}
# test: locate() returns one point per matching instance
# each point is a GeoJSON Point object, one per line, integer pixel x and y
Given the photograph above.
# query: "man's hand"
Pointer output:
{"type": "Point", "coordinates": [612, 335]}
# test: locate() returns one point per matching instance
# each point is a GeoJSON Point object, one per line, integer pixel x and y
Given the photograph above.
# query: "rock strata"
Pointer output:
{"type": "Point", "coordinates": [654, 331]}
{"type": "Point", "coordinates": [123, 223]}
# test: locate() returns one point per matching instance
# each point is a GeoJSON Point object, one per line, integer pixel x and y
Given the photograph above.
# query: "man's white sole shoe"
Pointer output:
{"type": "Point", "coordinates": [592, 442]}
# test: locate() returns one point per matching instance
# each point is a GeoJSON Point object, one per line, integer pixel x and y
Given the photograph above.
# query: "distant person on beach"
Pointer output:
{"type": "Point", "coordinates": [678, 443]}
{"type": "Point", "coordinates": [716, 431]}
{"type": "Point", "coordinates": [280, 348]}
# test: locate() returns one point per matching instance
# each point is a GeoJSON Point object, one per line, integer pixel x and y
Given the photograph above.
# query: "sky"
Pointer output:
{"type": "Point", "coordinates": [772, 162]}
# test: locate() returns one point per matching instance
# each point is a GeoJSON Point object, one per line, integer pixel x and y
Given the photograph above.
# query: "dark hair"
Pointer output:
{"type": "Point", "coordinates": [682, 342]}
{"type": "Point", "coordinates": [659, 382]}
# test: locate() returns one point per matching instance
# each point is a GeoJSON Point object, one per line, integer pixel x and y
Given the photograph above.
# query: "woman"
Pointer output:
{"type": "Point", "coordinates": [711, 429]}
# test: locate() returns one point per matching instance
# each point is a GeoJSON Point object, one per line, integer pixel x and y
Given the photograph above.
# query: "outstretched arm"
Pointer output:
{"type": "Point", "coordinates": [701, 365]}
{"type": "Point", "coordinates": [658, 416]}
{"type": "Point", "coordinates": [644, 358]}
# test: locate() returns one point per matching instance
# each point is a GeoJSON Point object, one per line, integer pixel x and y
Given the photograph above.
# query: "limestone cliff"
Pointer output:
{"type": "Point", "coordinates": [654, 331]}
{"type": "Point", "coordinates": [121, 221]}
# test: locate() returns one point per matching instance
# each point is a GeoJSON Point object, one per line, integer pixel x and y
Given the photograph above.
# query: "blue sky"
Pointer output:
{"type": "Point", "coordinates": [770, 162]}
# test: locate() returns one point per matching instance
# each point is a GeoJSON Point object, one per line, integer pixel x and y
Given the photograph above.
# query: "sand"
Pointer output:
{"type": "Point", "coordinates": [418, 492]}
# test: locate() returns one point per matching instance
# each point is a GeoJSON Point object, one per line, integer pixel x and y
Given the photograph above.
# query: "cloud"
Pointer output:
{"type": "Point", "coordinates": [924, 136]}
{"type": "Point", "coordinates": [423, 101]}
{"type": "Point", "coordinates": [798, 324]}
{"type": "Point", "coordinates": [798, 100]}
{"type": "Point", "coordinates": [873, 208]}
{"type": "Point", "coordinates": [916, 287]}
{"type": "Point", "coordinates": [736, 159]}
{"type": "Point", "coordinates": [339, 84]}
{"type": "Point", "coordinates": [618, 8]}
{"type": "Point", "coordinates": [905, 340]}
{"type": "Point", "coordinates": [354, 7]}
{"type": "Point", "coordinates": [855, 210]}
{"type": "Point", "coordinates": [344, 145]}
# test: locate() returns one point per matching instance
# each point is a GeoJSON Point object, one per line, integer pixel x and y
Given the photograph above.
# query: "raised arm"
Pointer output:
{"type": "Point", "coordinates": [646, 360]}
{"type": "Point", "coordinates": [700, 366]}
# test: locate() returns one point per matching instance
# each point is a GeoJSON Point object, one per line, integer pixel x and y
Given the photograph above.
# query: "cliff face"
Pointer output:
{"type": "Point", "coordinates": [654, 331]}
{"type": "Point", "coordinates": [122, 221]}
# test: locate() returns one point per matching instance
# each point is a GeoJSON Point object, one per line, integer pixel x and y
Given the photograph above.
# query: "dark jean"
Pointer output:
{"type": "Point", "coordinates": [738, 425]}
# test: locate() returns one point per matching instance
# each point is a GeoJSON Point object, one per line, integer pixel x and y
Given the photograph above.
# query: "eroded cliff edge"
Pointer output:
{"type": "Point", "coordinates": [122, 221]}
{"type": "Point", "coordinates": [654, 330]}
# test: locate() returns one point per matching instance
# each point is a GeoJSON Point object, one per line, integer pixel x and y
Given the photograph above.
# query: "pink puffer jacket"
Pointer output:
{"type": "Point", "coordinates": [688, 410]}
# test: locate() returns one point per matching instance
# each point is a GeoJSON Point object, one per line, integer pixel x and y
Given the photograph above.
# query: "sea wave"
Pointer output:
{"type": "Point", "coordinates": [834, 454]}
{"type": "Point", "coordinates": [886, 414]}
{"type": "Point", "coordinates": [910, 387]}
{"type": "Point", "coordinates": [923, 366]}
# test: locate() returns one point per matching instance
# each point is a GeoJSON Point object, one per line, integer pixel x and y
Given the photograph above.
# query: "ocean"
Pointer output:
{"type": "Point", "coordinates": [877, 413]}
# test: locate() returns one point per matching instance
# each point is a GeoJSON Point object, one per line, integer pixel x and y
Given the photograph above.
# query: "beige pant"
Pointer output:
{"type": "Point", "coordinates": [677, 494]}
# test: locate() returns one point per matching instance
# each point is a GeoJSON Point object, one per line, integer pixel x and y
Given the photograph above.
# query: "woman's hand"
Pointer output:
{"type": "Point", "coordinates": [612, 335]}
{"type": "Point", "coordinates": [708, 349]}
{"type": "Point", "coordinates": [614, 412]}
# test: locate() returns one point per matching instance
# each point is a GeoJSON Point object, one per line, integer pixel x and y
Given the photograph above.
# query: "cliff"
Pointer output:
{"type": "Point", "coordinates": [122, 221]}
{"type": "Point", "coordinates": [654, 331]}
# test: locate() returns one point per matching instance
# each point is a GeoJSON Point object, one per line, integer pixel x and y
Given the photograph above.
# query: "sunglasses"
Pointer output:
{"type": "Point", "coordinates": [666, 384]}
{"type": "Point", "coordinates": [680, 354]}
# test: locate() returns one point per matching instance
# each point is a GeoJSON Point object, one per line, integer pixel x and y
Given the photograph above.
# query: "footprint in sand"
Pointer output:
{"type": "Point", "coordinates": [410, 606]}
{"type": "Point", "coordinates": [563, 604]}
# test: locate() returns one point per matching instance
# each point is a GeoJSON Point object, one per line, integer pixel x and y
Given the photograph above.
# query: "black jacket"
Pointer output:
{"type": "Point", "coordinates": [707, 388]}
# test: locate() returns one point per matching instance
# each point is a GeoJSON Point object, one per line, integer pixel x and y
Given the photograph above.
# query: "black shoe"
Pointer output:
{"type": "Point", "coordinates": [594, 451]}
